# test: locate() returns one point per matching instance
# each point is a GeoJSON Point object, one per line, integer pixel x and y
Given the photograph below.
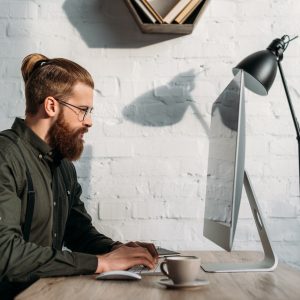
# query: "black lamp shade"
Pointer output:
{"type": "Point", "coordinates": [260, 71]}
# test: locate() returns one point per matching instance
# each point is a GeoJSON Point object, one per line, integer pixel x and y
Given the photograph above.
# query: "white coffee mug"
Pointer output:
{"type": "Point", "coordinates": [181, 269]}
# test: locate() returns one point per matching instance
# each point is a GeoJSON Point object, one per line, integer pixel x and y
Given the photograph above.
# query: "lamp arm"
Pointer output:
{"type": "Point", "coordinates": [292, 112]}
{"type": "Point", "coordinates": [289, 101]}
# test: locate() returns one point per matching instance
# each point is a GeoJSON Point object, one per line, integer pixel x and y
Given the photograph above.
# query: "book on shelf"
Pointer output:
{"type": "Point", "coordinates": [162, 7]}
{"type": "Point", "coordinates": [187, 11]}
{"type": "Point", "coordinates": [146, 12]}
{"type": "Point", "coordinates": [154, 13]}
{"type": "Point", "coordinates": [167, 11]}
{"type": "Point", "coordinates": [173, 13]}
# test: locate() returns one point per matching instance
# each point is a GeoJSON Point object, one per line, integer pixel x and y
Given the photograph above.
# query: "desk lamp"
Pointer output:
{"type": "Point", "coordinates": [260, 70]}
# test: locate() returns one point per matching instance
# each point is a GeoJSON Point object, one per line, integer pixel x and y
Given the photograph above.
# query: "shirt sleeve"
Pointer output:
{"type": "Point", "coordinates": [26, 261]}
{"type": "Point", "coordinates": [80, 234]}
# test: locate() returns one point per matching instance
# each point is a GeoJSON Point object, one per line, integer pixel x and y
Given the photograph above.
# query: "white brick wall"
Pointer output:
{"type": "Point", "coordinates": [146, 182]}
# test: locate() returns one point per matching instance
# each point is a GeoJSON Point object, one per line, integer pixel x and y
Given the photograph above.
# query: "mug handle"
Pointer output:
{"type": "Point", "coordinates": [163, 269]}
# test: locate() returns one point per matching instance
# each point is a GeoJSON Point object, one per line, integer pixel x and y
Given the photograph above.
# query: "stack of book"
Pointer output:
{"type": "Point", "coordinates": [167, 11]}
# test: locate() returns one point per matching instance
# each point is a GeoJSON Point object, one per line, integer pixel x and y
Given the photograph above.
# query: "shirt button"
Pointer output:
{"type": "Point", "coordinates": [55, 235]}
{"type": "Point", "coordinates": [40, 156]}
{"type": "Point", "coordinates": [54, 203]}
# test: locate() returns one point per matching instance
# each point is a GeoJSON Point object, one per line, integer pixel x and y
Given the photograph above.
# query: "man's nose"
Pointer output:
{"type": "Point", "coordinates": [88, 120]}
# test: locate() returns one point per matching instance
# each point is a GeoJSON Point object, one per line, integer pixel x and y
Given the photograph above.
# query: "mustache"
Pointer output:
{"type": "Point", "coordinates": [81, 131]}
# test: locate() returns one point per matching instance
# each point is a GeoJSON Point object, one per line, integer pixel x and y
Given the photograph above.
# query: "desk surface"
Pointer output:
{"type": "Point", "coordinates": [283, 283]}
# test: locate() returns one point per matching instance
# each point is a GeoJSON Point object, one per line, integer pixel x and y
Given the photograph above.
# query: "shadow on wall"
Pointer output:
{"type": "Point", "coordinates": [166, 104]}
{"type": "Point", "coordinates": [108, 23]}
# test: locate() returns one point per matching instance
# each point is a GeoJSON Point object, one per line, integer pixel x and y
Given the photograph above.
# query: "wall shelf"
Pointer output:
{"type": "Point", "coordinates": [148, 27]}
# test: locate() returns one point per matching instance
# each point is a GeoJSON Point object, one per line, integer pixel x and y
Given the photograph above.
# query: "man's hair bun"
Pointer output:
{"type": "Point", "coordinates": [28, 64]}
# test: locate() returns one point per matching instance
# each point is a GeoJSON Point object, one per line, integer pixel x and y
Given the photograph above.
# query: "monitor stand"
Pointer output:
{"type": "Point", "coordinates": [270, 260]}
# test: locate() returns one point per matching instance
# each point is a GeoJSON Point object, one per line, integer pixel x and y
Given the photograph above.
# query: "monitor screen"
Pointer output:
{"type": "Point", "coordinates": [226, 159]}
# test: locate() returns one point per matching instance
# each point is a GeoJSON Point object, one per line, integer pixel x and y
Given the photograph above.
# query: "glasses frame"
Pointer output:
{"type": "Point", "coordinates": [86, 111]}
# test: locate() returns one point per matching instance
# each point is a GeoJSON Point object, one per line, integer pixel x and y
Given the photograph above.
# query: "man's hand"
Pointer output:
{"type": "Point", "coordinates": [150, 247]}
{"type": "Point", "coordinates": [125, 257]}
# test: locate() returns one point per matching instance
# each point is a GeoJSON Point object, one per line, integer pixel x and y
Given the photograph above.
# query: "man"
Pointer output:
{"type": "Point", "coordinates": [59, 103]}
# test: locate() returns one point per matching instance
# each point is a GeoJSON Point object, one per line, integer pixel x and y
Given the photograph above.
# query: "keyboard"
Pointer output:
{"type": "Point", "coordinates": [142, 270]}
{"type": "Point", "coordinates": [162, 252]}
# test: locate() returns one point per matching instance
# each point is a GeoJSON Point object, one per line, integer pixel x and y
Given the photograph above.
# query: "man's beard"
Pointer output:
{"type": "Point", "coordinates": [66, 141]}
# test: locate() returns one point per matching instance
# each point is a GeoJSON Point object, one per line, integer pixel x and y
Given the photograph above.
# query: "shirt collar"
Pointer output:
{"type": "Point", "coordinates": [41, 148]}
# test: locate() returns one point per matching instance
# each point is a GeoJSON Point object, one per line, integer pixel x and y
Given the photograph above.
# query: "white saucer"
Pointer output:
{"type": "Point", "coordinates": [195, 284]}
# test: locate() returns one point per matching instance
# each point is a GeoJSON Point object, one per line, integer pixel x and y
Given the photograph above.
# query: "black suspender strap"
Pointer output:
{"type": "Point", "coordinates": [30, 190]}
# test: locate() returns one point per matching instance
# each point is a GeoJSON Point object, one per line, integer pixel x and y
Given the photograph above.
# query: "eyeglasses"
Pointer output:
{"type": "Point", "coordinates": [82, 113]}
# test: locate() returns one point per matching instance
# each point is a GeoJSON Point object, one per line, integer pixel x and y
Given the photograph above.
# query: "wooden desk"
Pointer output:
{"type": "Point", "coordinates": [283, 284]}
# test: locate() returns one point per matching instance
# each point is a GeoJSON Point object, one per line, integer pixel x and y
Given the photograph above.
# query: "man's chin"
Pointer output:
{"type": "Point", "coordinates": [74, 157]}
{"type": "Point", "coordinates": [72, 153]}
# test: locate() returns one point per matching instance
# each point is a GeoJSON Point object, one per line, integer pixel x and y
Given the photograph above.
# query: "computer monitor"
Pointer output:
{"type": "Point", "coordinates": [226, 176]}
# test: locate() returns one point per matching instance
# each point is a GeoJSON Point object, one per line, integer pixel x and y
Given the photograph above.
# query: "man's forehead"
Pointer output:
{"type": "Point", "coordinates": [81, 87]}
{"type": "Point", "coordinates": [83, 94]}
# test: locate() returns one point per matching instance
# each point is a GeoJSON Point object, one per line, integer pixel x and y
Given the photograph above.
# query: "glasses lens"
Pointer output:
{"type": "Point", "coordinates": [81, 115]}
{"type": "Point", "coordinates": [85, 113]}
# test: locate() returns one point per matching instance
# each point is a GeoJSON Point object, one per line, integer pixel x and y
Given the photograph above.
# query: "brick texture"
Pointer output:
{"type": "Point", "coordinates": [143, 171]}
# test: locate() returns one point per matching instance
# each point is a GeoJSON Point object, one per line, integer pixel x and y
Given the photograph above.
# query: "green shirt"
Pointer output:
{"type": "Point", "coordinates": [59, 216]}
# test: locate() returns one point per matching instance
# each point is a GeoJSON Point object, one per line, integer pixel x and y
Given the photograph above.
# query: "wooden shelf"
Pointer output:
{"type": "Point", "coordinates": [148, 27]}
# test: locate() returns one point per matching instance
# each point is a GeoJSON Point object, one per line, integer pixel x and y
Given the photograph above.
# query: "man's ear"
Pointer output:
{"type": "Point", "coordinates": [51, 107]}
